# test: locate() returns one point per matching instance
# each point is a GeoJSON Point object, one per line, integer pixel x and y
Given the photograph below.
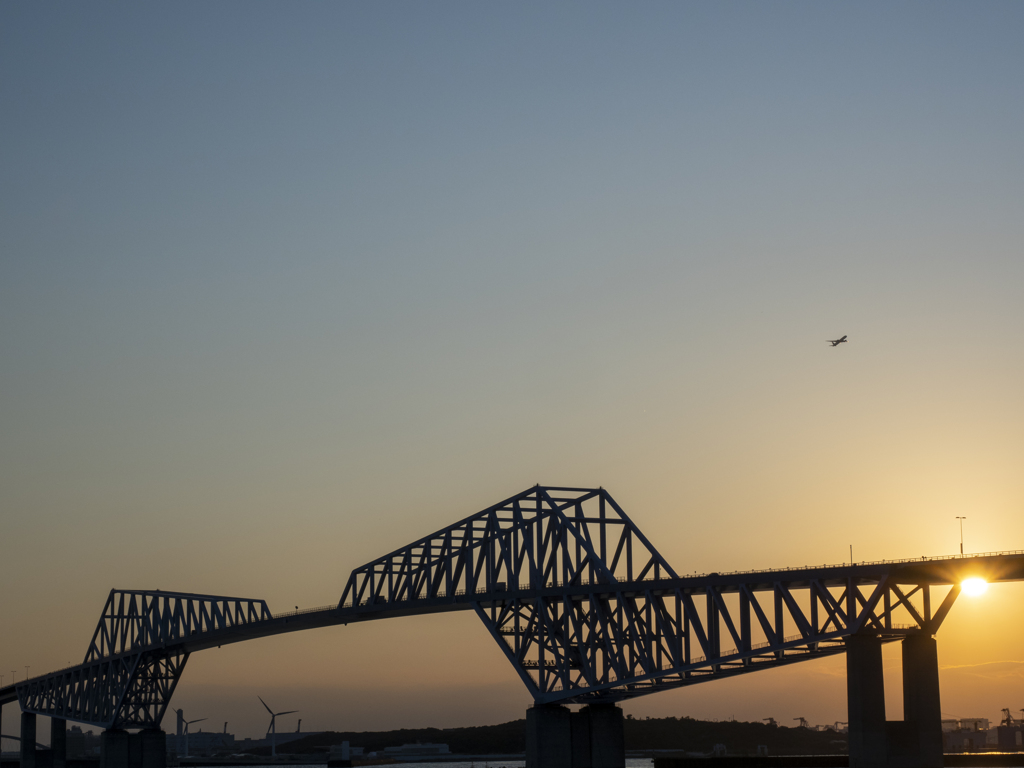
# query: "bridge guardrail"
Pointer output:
{"type": "Point", "coordinates": [862, 562]}
{"type": "Point", "coordinates": [303, 611]}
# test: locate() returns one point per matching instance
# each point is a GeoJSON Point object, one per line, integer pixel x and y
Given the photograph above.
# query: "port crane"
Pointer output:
{"type": "Point", "coordinates": [803, 722]}
{"type": "Point", "coordinates": [773, 724]}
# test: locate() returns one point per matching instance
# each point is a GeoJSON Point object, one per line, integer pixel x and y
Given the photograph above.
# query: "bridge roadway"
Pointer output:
{"type": "Point", "coordinates": [585, 609]}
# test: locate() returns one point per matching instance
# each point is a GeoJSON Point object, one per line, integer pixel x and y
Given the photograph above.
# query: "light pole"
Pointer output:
{"type": "Point", "coordinates": [26, 671]}
{"type": "Point", "coordinates": [961, 519]}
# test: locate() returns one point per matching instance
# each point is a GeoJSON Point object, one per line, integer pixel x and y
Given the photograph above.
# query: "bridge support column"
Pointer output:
{"type": "Point", "coordinates": [549, 737]}
{"type": "Point", "coordinates": [607, 746]}
{"type": "Point", "coordinates": [154, 748]}
{"type": "Point", "coordinates": [28, 740]}
{"type": "Point", "coordinates": [114, 750]}
{"type": "Point", "coordinates": [921, 699]}
{"type": "Point", "coordinates": [865, 700]}
{"type": "Point", "coordinates": [58, 742]}
{"type": "Point", "coordinates": [590, 738]}
{"type": "Point", "coordinates": [581, 754]}
{"type": "Point", "coordinates": [135, 750]}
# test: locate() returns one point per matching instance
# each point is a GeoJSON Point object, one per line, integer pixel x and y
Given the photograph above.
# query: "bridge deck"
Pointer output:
{"type": "Point", "coordinates": [993, 567]}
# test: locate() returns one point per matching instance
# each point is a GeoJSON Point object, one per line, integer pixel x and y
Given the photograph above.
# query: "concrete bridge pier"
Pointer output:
{"type": "Point", "coordinates": [549, 737]}
{"type": "Point", "coordinates": [152, 748]}
{"type": "Point", "coordinates": [145, 749]}
{"type": "Point", "coordinates": [28, 740]}
{"type": "Point", "coordinates": [58, 742]}
{"type": "Point", "coordinates": [865, 701]}
{"type": "Point", "coordinates": [607, 736]}
{"type": "Point", "coordinates": [921, 709]}
{"type": "Point", "coordinates": [915, 741]}
{"type": "Point", "coordinates": [590, 738]}
{"type": "Point", "coordinates": [114, 750]}
{"type": "Point", "coordinates": [134, 750]}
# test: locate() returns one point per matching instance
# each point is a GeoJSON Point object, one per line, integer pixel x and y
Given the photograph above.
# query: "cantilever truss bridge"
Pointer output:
{"type": "Point", "coordinates": [582, 604]}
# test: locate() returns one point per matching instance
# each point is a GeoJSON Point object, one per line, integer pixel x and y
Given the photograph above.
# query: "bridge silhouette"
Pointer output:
{"type": "Point", "coordinates": [585, 609]}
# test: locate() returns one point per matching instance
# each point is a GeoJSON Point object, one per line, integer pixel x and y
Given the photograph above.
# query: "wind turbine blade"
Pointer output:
{"type": "Point", "coordinates": [289, 712]}
{"type": "Point", "coordinates": [265, 705]}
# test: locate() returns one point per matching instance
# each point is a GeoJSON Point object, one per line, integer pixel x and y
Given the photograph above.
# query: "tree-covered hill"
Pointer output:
{"type": "Point", "coordinates": [684, 734]}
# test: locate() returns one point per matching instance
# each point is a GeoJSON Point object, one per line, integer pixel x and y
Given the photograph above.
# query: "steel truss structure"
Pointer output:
{"type": "Point", "coordinates": [136, 657]}
{"type": "Point", "coordinates": [586, 609]}
{"type": "Point", "coordinates": [579, 600]}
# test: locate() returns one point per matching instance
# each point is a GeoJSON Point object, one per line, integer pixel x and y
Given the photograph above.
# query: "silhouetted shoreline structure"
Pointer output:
{"type": "Point", "coordinates": [585, 609]}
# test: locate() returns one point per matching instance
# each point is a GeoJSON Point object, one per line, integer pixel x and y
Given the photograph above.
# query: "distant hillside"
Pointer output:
{"type": "Point", "coordinates": [684, 734]}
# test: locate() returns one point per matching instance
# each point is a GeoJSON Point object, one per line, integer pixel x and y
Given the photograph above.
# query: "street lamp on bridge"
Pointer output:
{"type": "Point", "coordinates": [961, 519]}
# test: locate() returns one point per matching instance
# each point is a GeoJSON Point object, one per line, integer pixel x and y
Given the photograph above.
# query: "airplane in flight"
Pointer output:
{"type": "Point", "coordinates": [836, 342]}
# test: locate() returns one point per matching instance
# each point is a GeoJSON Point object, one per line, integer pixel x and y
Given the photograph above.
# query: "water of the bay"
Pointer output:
{"type": "Point", "coordinates": [631, 762]}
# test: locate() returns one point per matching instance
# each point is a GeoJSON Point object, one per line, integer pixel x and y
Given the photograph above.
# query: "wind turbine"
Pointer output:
{"type": "Point", "coordinates": [187, 723]}
{"type": "Point", "coordinates": [273, 725]}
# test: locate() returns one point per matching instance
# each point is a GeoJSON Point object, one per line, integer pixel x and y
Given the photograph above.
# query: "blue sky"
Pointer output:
{"type": "Point", "coordinates": [302, 281]}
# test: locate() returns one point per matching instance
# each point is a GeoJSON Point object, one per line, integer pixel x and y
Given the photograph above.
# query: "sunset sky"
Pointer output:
{"type": "Point", "coordinates": [284, 287]}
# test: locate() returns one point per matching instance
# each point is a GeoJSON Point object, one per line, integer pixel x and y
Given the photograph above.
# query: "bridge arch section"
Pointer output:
{"type": "Point", "coordinates": [544, 571]}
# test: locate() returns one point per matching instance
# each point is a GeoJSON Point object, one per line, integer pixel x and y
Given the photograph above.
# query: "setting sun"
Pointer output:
{"type": "Point", "coordinates": [974, 586]}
